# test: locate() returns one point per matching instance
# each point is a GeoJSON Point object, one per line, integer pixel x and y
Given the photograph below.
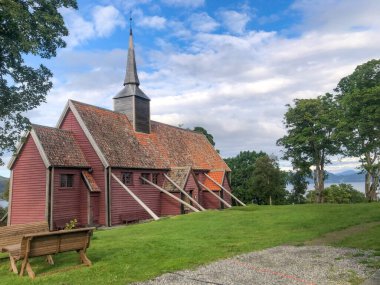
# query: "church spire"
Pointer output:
{"type": "Point", "coordinates": [131, 76]}
{"type": "Point", "coordinates": [131, 100]}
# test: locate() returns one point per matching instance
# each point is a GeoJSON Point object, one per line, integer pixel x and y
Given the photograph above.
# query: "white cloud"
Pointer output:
{"type": "Point", "coordinates": [234, 21]}
{"type": "Point", "coordinates": [184, 3]}
{"type": "Point", "coordinates": [154, 22]}
{"type": "Point", "coordinates": [80, 30]}
{"type": "Point", "coordinates": [336, 15]}
{"type": "Point", "coordinates": [104, 20]}
{"type": "Point", "coordinates": [107, 19]}
{"type": "Point", "coordinates": [202, 22]}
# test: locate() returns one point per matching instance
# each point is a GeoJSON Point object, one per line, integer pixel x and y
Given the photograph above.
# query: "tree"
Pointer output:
{"type": "Point", "coordinates": [6, 191]}
{"type": "Point", "coordinates": [26, 27]}
{"type": "Point", "coordinates": [204, 132]}
{"type": "Point", "coordinates": [359, 128]}
{"type": "Point", "coordinates": [268, 181]}
{"type": "Point", "coordinates": [299, 182]}
{"type": "Point", "coordinates": [310, 140]}
{"type": "Point", "coordinates": [242, 167]}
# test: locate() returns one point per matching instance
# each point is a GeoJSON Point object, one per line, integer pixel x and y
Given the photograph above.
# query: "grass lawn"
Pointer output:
{"type": "Point", "coordinates": [127, 254]}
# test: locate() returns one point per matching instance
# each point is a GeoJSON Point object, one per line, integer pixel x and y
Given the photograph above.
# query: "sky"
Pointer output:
{"type": "Point", "coordinates": [228, 66]}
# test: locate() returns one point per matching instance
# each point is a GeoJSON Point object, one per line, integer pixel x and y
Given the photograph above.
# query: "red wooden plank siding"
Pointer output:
{"type": "Point", "coordinates": [67, 202]}
{"type": "Point", "coordinates": [169, 206]}
{"type": "Point", "coordinates": [94, 208]}
{"type": "Point", "coordinates": [29, 186]}
{"type": "Point", "coordinates": [70, 123]}
{"type": "Point", "coordinates": [192, 186]}
{"type": "Point", "coordinates": [123, 203]}
{"type": "Point", "coordinates": [209, 201]}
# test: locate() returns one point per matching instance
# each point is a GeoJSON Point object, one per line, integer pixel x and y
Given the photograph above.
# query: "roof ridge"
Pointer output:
{"type": "Point", "coordinates": [182, 129]}
{"type": "Point", "coordinates": [48, 127]}
{"type": "Point", "coordinates": [86, 104]}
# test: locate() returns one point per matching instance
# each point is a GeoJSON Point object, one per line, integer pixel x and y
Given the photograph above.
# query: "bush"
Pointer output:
{"type": "Point", "coordinates": [338, 194]}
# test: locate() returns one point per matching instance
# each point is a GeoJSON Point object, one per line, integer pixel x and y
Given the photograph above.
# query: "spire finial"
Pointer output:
{"type": "Point", "coordinates": [131, 74]}
{"type": "Point", "coordinates": [130, 22]}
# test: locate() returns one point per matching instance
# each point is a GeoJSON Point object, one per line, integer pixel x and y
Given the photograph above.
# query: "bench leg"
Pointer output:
{"type": "Point", "coordinates": [84, 258]}
{"type": "Point", "coordinates": [23, 265]}
{"type": "Point", "coordinates": [13, 266]}
{"type": "Point", "coordinates": [49, 259]}
{"type": "Point", "coordinates": [31, 274]}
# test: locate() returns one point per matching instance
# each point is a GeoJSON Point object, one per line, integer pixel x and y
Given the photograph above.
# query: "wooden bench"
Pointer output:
{"type": "Point", "coordinates": [11, 235]}
{"type": "Point", "coordinates": [49, 243]}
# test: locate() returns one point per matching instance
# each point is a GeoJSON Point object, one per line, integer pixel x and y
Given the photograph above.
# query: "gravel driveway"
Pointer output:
{"type": "Point", "coordinates": [280, 265]}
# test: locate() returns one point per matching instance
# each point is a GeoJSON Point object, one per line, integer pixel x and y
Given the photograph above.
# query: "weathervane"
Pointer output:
{"type": "Point", "coordinates": [130, 22]}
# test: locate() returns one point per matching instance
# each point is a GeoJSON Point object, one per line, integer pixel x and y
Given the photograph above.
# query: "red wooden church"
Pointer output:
{"type": "Point", "coordinates": [106, 167]}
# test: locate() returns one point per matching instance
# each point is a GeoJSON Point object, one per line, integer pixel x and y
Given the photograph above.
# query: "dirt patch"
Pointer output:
{"type": "Point", "coordinates": [332, 237]}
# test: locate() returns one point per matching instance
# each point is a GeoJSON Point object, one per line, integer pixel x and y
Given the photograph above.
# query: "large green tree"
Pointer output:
{"type": "Point", "coordinates": [359, 128]}
{"type": "Point", "coordinates": [242, 167]}
{"type": "Point", "coordinates": [299, 183]}
{"type": "Point", "coordinates": [26, 28]}
{"type": "Point", "coordinates": [309, 141]}
{"type": "Point", "coordinates": [268, 181]}
{"type": "Point", "coordinates": [203, 131]}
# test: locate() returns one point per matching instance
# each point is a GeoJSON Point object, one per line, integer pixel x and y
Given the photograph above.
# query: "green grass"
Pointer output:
{"type": "Point", "coordinates": [127, 254]}
{"type": "Point", "coordinates": [368, 239]}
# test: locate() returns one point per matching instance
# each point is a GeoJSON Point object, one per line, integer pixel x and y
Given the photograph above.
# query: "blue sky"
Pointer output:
{"type": "Point", "coordinates": [229, 66]}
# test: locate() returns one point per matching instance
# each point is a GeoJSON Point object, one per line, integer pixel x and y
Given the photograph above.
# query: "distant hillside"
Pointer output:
{"type": "Point", "coordinates": [344, 177]}
{"type": "Point", "coordinates": [3, 182]}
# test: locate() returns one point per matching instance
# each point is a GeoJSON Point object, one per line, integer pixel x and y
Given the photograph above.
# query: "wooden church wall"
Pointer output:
{"type": "Point", "coordinates": [169, 206]}
{"type": "Point", "coordinates": [29, 186]}
{"type": "Point", "coordinates": [123, 204]}
{"type": "Point", "coordinates": [69, 202]}
{"type": "Point", "coordinates": [70, 123]}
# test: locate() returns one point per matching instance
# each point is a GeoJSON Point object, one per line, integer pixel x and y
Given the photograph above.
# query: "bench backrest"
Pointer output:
{"type": "Point", "coordinates": [40, 244]}
{"type": "Point", "coordinates": [13, 234]}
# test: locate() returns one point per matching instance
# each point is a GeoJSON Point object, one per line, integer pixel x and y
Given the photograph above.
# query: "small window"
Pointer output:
{"type": "Point", "coordinates": [127, 178]}
{"type": "Point", "coordinates": [146, 176]}
{"type": "Point", "coordinates": [155, 178]}
{"type": "Point", "coordinates": [67, 180]}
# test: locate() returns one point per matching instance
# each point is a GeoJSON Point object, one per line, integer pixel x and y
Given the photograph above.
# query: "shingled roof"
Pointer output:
{"type": "Point", "coordinates": [179, 176]}
{"type": "Point", "coordinates": [218, 176]}
{"type": "Point", "coordinates": [60, 147]}
{"type": "Point", "coordinates": [164, 148]}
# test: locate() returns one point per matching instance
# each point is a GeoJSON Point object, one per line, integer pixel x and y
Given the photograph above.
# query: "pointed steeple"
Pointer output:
{"type": "Point", "coordinates": [131, 76]}
{"type": "Point", "coordinates": [131, 100]}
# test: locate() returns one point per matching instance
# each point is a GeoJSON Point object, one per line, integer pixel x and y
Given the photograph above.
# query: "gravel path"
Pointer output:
{"type": "Point", "coordinates": [279, 265]}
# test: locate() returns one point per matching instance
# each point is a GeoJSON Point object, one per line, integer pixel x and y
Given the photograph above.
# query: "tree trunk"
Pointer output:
{"type": "Point", "coordinates": [319, 183]}
{"type": "Point", "coordinates": [368, 186]}
{"type": "Point", "coordinates": [373, 188]}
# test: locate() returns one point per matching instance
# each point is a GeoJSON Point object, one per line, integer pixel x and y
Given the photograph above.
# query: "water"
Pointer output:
{"type": "Point", "coordinates": [3, 203]}
{"type": "Point", "coordinates": [357, 185]}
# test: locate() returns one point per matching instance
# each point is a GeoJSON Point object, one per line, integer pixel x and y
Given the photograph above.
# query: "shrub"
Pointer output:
{"type": "Point", "coordinates": [338, 194]}
{"type": "Point", "coordinates": [71, 225]}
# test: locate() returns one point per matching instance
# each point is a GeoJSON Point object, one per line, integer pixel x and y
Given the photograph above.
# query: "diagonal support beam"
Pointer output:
{"type": "Point", "coordinates": [216, 196]}
{"type": "Point", "coordinates": [184, 192]}
{"type": "Point", "coordinates": [142, 204]}
{"type": "Point", "coordinates": [232, 195]}
{"type": "Point", "coordinates": [169, 194]}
